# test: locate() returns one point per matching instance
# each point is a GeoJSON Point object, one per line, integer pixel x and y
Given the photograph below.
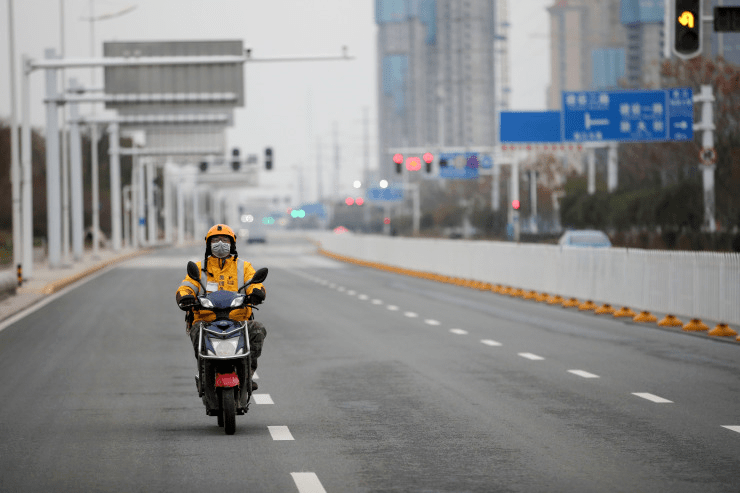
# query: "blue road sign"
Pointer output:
{"type": "Point", "coordinates": [384, 194]}
{"type": "Point", "coordinates": [628, 116]}
{"type": "Point", "coordinates": [530, 126]}
{"type": "Point", "coordinates": [460, 165]}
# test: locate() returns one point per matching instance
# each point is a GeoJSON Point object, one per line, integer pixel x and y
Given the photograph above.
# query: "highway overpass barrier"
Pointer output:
{"type": "Point", "coordinates": [694, 285]}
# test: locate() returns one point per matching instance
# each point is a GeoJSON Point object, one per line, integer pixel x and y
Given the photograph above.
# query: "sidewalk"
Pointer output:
{"type": "Point", "coordinates": [46, 281]}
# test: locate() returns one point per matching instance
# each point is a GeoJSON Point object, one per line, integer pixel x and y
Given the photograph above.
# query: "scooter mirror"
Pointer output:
{"type": "Point", "coordinates": [258, 277]}
{"type": "Point", "coordinates": [193, 271]}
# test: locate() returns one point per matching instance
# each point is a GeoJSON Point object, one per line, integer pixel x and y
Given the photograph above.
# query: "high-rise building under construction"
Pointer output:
{"type": "Point", "coordinates": [437, 77]}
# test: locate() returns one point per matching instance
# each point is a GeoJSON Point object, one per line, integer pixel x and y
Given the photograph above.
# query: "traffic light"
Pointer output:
{"type": "Point", "coordinates": [428, 158]}
{"type": "Point", "coordinates": [398, 159]}
{"type": "Point", "coordinates": [687, 28]}
{"type": "Point", "coordinates": [268, 158]}
{"type": "Point", "coordinates": [235, 162]}
{"type": "Point", "coordinates": [726, 19]}
{"type": "Point", "coordinates": [413, 163]}
{"type": "Point", "coordinates": [515, 205]}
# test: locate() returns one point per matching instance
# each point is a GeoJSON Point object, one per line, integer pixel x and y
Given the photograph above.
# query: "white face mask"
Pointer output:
{"type": "Point", "coordinates": [220, 249]}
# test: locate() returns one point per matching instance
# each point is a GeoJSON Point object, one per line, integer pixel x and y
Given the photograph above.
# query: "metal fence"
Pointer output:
{"type": "Point", "coordinates": [703, 285]}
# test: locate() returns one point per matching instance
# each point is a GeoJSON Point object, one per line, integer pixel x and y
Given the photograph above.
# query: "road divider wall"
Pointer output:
{"type": "Point", "coordinates": [703, 285]}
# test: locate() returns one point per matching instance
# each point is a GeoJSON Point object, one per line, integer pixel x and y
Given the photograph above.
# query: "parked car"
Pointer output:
{"type": "Point", "coordinates": [588, 238]}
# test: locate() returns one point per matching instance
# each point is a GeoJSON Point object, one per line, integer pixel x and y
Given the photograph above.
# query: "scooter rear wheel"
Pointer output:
{"type": "Point", "coordinates": [228, 410]}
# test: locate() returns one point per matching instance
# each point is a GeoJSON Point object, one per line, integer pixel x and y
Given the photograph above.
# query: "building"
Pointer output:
{"type": "Point", "coordinates": [436, 74]}
{"type": "Point", "coordinates": [587, 46]}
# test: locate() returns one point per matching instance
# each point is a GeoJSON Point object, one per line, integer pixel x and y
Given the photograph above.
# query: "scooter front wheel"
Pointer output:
{"type": "Point", "coordinates": [228, 411]}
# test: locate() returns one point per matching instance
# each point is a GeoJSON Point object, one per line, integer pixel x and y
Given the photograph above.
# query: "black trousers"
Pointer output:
{"type": "Point", "coordinates": [255, 330]}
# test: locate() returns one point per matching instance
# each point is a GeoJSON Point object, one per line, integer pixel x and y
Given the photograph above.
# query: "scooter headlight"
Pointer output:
{"type": "Point", "coordinates": [226, 347]}
{"type": "Point", "coordinates": [238, 301]}
{"type": "Point", "coordinates": [205, 302]}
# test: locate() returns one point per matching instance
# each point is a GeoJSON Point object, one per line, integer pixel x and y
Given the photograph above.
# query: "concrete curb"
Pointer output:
{"type": "Point", "coordinates": [62, 283]}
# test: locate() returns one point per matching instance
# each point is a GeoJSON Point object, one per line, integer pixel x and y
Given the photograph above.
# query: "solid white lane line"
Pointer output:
{"type": "Point", "coordinates": [392, 308]}
{"type": "Point", "coordinates": [429, 321]}
{"type": "Point", "coordinates": [411, 314]}
{"type": "Point", "coordinates": [733, 428]}
{"type": "Point", "coordinates": [531, 356]}
{"type": "Point", "coordinates": [459, 332]}
{"type": "Point", "coordinates": [583, 374]}
{"type": "Point", "coordinates": [377, 302]}
{"type": "Point", "coordinates": [490, 342]}
{"type": "Point", "coordinates": [307, 482]}
{"type": "Point", "coordinates": [363, 297]}
{"type": "Point", "coordinates": [652, 397]}
{"type": "Point", "coordinates": [262, 399]}
{"type": "Point", "coordinates": [280, 433]}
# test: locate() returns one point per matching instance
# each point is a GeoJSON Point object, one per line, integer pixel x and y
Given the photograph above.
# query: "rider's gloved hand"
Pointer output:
{"type": "Point", "coordinates": [257, 296]}
{"type": "Point", "coordinates": [187, 302]}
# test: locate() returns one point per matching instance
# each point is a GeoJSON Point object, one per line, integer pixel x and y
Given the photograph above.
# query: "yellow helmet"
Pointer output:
{"type": "Point", "coordinates": [221, 229]}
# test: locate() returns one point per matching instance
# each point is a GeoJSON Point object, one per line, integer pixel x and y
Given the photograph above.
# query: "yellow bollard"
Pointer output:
{"type": "Point", "coordinates": [644, 316]}
{"type": "Point", "coordinates": [670, 321]}
{"type": "Point", "coordinates": [695, 325]}
{"type": "Point", "coordinates": [587, 305]}
{"type": "Point", "coordinates": [555, 300]}
{"type": "Point", "coordinates": [605, 309]}
{"type": "Point", "coordinates": [20, 275]}
{"type": "Point", "coordinates": [571, 303]}
{"type": "Point", "coordinates": [530, 295]}
{"type": "Point", "coordinates": [722, 330]}
{"type": "Point", "coordinates": [625, 311]}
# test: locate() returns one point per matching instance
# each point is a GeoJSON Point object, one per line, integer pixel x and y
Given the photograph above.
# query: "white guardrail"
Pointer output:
{"type": "Point", "coordinates": [704, 285]}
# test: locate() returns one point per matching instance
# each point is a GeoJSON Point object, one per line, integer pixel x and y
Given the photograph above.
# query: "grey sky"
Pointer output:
{"type": "Point", "coordinates": [289, 105]}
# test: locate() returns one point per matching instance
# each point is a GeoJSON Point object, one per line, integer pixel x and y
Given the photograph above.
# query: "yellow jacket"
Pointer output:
{"type": "Point", "coordinates": [223, 274]}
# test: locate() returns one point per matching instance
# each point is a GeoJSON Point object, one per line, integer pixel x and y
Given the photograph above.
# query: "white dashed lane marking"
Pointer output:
{"type": "Point", "coordinates": [262, 399]}
{"type": "Point", "coordinates": [392, 308]}
{"type": "Point", "coordinates": [583, 374]}
{"type": "Point", "coordinates": [431, 322]}
{"type": "Point", "coordinates": [490, 342]}
{"type": "Point", "coordinates": [351, 292]}
{"type": "Point", "coordinates": [459, 332]}
{"type": "Point", "coordinates": [307, 482]}
{"type": "Point", "coordinates": [363, 297]}
{"type": "Point", "coordinates": [377, 302]}
{"type": "Point", "coordinates": [652, 397]}
{"type": "Point", "coordinates": [733, 428]}
{"type": "Point", "coordinates": [341, 289]}
{"type": "Point", "coordinates": [411, 314]}
{"type": "Point", "coordinates": [280, 433]}
{"type": "Point", "coordinates": [531, 356]}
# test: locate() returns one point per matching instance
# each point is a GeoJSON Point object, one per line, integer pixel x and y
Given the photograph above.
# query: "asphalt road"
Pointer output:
{"type": "Point", "coordinates": [369, 382]}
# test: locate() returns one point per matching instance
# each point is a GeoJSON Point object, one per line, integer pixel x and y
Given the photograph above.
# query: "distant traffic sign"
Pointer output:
{"type": "Point", "coordinates": [384, 194]}
{"type": "Point", "coordinates": [460, 165]}
{"type": "Point", "coordinates": [628, 116]}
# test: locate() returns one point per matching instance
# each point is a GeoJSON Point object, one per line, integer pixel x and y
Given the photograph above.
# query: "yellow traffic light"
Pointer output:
{"type": "Point", "coordinates": [686, 19]}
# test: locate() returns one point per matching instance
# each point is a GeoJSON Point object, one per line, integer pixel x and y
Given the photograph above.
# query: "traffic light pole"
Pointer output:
{"type": "Point", "coordinates": [706, 126]}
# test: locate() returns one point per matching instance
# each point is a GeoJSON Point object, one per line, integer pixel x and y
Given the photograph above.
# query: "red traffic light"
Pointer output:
{"type": "Point", "coordinates": [515, 204]}
{"type": "Point", "coordinates": [428, 157]}
{"type": "Point", "coordinates": [349, 201]}
{"type": "Point", "coordinates": [398, 158]}
{"type": "Point", "coordinates": [387, 220]}
{"type": "Point", "coordinates": [413, 164]}
{"type": "Point", "coordinates": [359, 201]}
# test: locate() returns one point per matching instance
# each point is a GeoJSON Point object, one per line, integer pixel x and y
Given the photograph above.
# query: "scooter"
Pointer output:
{"type": "Point", "coordinates": [224, 381]}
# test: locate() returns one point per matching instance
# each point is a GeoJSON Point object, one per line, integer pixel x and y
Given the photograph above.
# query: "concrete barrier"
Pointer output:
{"type": "Point", "coordinates": [702, 285]}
